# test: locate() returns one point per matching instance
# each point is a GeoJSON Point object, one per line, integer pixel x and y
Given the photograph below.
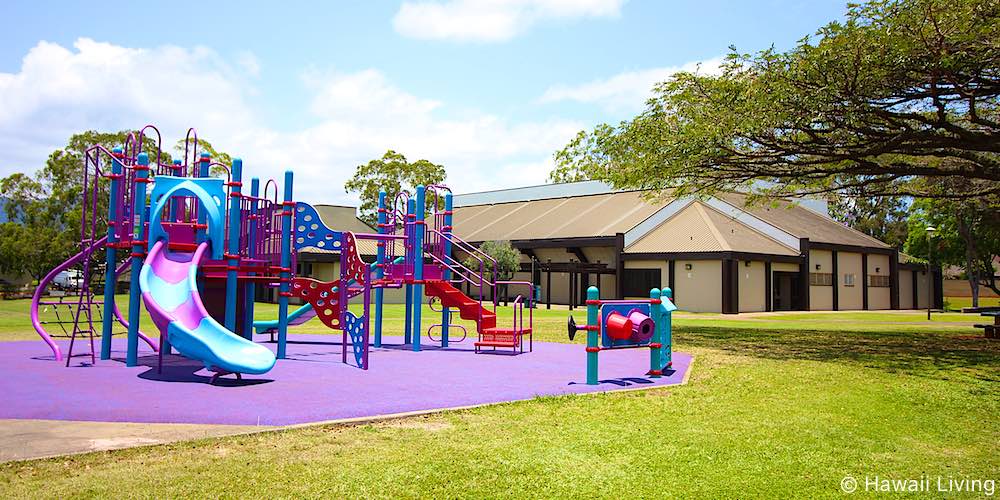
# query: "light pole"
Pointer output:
{"type": "Point", "coordinates": [930, 277]}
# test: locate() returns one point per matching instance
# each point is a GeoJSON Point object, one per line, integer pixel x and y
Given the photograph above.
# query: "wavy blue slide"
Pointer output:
{"type": "Point", "coordinates": [168, 281]}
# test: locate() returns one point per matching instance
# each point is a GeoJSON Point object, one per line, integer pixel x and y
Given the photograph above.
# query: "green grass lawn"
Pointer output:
{"type": "Point", "coordinates": [777, 405]}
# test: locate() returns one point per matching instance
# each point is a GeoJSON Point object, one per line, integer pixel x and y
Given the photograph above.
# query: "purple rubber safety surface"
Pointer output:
{"type": "Point", "coordinates": [311, 385]}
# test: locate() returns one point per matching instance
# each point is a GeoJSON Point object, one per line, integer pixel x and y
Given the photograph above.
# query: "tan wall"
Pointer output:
{"type": "Point", "coordinates": [787, 267]}
{"type": "Point", "coordinates": [879, 297]}
{"type": "Point", "coordinates": [905, 289]}
{"type": "Point", "coordinates": [751, 287]}
{"type": "Point", "coordinates": [960, 288]}
{"type": "Point", "coordinates": [820, 297]}
{"type": "Point", "coordinates": [850, 298]}
{"type": "Point", "coordinates": [700, 289]}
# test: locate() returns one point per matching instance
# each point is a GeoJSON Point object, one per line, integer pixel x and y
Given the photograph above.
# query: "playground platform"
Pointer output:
{"type": "Point", "coordinates": [312, 385]}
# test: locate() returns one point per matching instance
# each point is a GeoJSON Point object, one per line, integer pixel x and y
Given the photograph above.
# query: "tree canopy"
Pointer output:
{"type": "Point", "coordinates": [899, 93]}
{"type": "Point", "coordinates": [392, 173]}
{"type": "Point", "coordinates": [44, 209]}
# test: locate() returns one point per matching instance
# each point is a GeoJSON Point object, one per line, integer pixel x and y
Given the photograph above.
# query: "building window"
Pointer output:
{"type": "Point", "coordinates": [848, 280]}
{"type": "Point", "coordinates": [638, 282]}
{"type": "Point", "coordinates": [820, 279]}
{"type": "Point", "coordinates": [878, 281]}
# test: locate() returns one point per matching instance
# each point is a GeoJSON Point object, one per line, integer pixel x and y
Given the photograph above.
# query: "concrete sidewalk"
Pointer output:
{"type": "Point", "coordinates": [28, 439]}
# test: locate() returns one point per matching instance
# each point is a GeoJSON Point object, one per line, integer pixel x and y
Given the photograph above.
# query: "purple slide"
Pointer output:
{"type": "Point", "coordinates": [168, 281]}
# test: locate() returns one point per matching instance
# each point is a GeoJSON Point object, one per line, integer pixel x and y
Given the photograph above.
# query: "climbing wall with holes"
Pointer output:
{"type": "Point", "coordinates": [355, 328]}
{"type": "Point", "coordinates": [323, 296]}
{"type": "Point", "coordinates": [311, 232]}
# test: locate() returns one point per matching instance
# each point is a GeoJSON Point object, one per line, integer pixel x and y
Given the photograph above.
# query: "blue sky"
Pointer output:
{"type": "Point", "coordinates": [488, 88]}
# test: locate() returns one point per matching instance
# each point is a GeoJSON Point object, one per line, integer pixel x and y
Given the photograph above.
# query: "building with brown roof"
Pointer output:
{"type": "Point", "coordinates": [716, 254]}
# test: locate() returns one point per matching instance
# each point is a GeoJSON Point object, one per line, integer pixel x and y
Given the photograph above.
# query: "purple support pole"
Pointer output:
{"type": "Point", "coordinates": [111, 255]}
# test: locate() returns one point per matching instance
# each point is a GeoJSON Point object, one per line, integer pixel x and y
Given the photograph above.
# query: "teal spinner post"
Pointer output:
{"type": "Point", "coordinates": [286, 263]}
{"type": "Point", "coordinates": [656, 343]}
{"type": "Point", "coordinates": [138, 254]}
{"type": "Point", "coordinates": [232, 253]}
{"type": "Point", "coordinates": [665, 327]}
{"type": "Point", "coordinates": [380, 266]}
{"type": "Point", "coordinates": [446, 252]}
{"type": "Point", "coordinates": [593, 334]}
{"type": "Point", "coordinates": [418, 265]}
{"type": "Point", "coordinates": [111, 255]}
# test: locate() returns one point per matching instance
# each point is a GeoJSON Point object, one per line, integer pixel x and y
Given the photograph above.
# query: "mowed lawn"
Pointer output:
{"type": "Point", "coordinates": [777, 405]}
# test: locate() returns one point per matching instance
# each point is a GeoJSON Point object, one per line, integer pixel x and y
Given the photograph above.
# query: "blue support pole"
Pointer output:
{"type": "Point", "coordinates": [138, 253]}
{"type": "Point", "coordinates": [251, 289]}
{"type": "Point", "coordinates": [418, 266]}
{"type": "Point", "coordinates": [446, 275]}
{"type": "Point", "coordinates": [203, 164]}
{"type": "Point", "coordinates": [379, 262]}
{"type": "Point", "coordinates": [286, 263]}
{"type": "Point", "coordinates": [111, 254]}
{"type": "Point", "coordinates": [233, 250]}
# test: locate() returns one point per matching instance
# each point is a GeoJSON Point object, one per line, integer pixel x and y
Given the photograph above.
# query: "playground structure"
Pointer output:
{"type": "Point", "coordinates": [199, 248]}
{"type": "Point", "coordinates": [628, 324]}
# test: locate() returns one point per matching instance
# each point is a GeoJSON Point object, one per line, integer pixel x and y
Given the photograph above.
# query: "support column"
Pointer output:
{"type": "Point", "coordinates": [593, 331]}
{"type": "Point", "coordinates": [803, 288]}
{"type": "Point", "coordinates": [836, 281]}
{"type": "Point", "coordinates": [111, 253]}
{"type": "Point", "coordinates": [380, 265]}
{"type": "Point", "coordinates": [138, 254]}
{"type": "Point", "coordinates": [655, 344]}
{"type": "Point", "coordinates": [232, 253]}
{"type": "Point", "coordinates": [619, 266]}
{"type": "Point", "coordinates": [408, 232]}
{"type": "Point", "coordinates": [768, 288]}
{"type": "Point", "coordinates": [445, 253]}
{"type": "Point", "coordinates": [250, 287]}
{"type": "Point", "coordinates": [864, 281]}
{"type": "Point", "coordinates": [548, 285]}
{"type": "Point", "coordinates": [672, 279]}
{"type": "Point", "coordinates": [286, 263]}
{"type": "Point", "coordinates": [894, 279]}
{"type": "Point", "coordinates": [418, 266]}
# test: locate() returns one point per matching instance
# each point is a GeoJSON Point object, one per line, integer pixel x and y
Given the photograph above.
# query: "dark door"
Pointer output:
{"type": "Point", "coordinates": [785, 289]}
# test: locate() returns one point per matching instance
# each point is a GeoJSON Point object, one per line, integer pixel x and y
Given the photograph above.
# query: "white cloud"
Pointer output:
{"type": "Point", "coordinates": [356, 117]}
{"type": "Point", "coordinates": [626, 91]}
{"type": "Point", "coordinates": [491, 20]}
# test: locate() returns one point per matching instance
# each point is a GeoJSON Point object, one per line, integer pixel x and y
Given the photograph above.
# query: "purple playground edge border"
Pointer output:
{"type": "Point", "coordinates": [310, 386]}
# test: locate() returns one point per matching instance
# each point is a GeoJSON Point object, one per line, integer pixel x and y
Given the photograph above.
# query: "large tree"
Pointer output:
{"type": "Point", "coordinates": [898, 93]}
{"type": "Point", "coordinates": [967, 236]}
{"type": "Point", "coordinates": [881, 217]}
{"type": "Point", "coordinates": [44, 209]}
{"type": "Point", "coordinates": [391, 173]}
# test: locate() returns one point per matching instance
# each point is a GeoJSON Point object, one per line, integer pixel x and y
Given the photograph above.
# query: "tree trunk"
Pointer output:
{"type": "Point", "coordinates": [971, 258]}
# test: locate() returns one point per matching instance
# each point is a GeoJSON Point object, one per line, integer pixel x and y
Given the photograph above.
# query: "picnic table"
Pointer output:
{"type": "Point", "coordinates": [991, 330]}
